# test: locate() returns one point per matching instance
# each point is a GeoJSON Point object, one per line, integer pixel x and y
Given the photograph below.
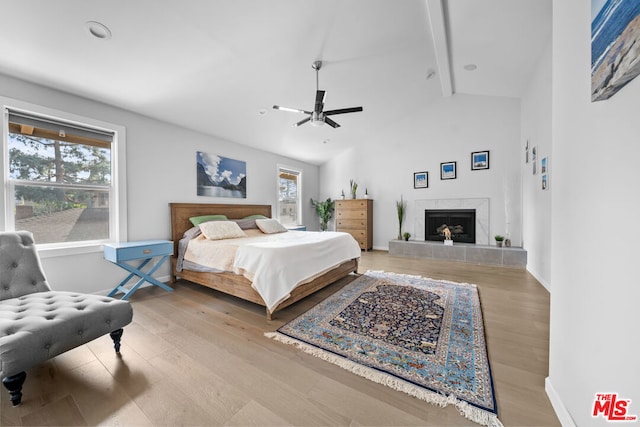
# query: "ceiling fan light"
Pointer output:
{"type": "Point", "coordinates": [317, 122]}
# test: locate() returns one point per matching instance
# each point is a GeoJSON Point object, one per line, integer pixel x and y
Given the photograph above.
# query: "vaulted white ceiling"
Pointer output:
{"type": "Point", "coordinates": [218, 66]}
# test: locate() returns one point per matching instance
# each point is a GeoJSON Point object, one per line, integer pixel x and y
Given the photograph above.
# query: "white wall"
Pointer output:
{"type": "Point", "coordinates": [536, 203]}
{"type": "Point", "coordinates": [161, 168]}
{"type": "Point", "coordinates": [447, 130]}
{"type": "Point", "coordinates": [595, 292]}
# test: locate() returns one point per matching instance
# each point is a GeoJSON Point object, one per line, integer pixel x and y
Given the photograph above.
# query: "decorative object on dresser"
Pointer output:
{"type": "Point", "coordinates": [421, 336]}
{"type": "Point", "coordinates": [499, 239]}
{"type": "Point", "coordinates": [354, 188]}
{"type": "Point", "coordinates": [37, 323]}
{"type": "Point", "coordinates": [356, 218]}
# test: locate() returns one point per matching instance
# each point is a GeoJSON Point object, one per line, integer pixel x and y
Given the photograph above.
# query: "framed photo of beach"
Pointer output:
{"type": "Point", "coordinates": [448, 170]}
{"type": "Point", "coordinates": [479, 160]}
{"type": "Point", "coordinates": [421, 180]}
{"type": "Point", "coordinates": [614, 32]}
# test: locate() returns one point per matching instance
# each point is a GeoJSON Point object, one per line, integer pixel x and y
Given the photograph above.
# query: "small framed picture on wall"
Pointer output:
{"type": "Point", "coordinates": [479, 160]}
{"type": "Point", "coordinates": [448, 170]}
{"type": "Point", "coordinates": [421, 180]}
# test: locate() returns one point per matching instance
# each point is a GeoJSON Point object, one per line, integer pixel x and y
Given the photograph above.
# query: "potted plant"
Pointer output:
{"type": "Point", "coordinates": [342, 195]}
{"type": "Point", "coordinates": [401, 207]}
{"type": "Point", "coordinates": [406, 236]}
{"type": "Point", "coordinates": [354, 188]}
{"type": "Point", "coordinates": [324, 209]}
{"type": "Point", "coordinates": [366, 193]}
{"type": "Point", "coordinates": [499, 240]}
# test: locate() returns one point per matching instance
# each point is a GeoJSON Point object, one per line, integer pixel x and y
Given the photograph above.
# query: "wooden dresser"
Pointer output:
{"type": "Point", "coordinates": [355, 216]}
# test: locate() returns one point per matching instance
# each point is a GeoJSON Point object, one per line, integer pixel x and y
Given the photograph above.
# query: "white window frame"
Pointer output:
{"type": "Point", "coordinates": [117, 191]}
{"type": "Point", "coordinates": [280, 167]}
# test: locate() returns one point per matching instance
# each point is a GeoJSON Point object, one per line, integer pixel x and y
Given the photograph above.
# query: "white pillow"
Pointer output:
{"type": "Point", "coordinates": [217, 230]}
{"type": "Point", "coordinates": [270, 226]}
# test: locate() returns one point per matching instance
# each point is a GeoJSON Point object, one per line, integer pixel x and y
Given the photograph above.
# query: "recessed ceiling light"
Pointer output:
{"type": "Point", "coordinates": [262, 112]}
{"type": "Point", "coordinates": [98, 30]}
{"type": "Point", "coordinates": [470, 67]}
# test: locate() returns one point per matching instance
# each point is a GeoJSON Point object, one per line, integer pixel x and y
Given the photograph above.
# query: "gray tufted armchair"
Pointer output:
{"type": "Point", "coordinates": [37, 323]}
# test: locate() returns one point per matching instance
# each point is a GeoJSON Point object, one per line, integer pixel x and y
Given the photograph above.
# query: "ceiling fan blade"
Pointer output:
{"type": "Point", "coordinates": [319, 101]}
{"type": "Point", "coordinates": [331, 123]}
{"type": "Point", "coordinates": [301, 122]}
{"type": "Point", "coordinates": [293, 110]}
{"type": "Point", "coordinates": [343, 111]}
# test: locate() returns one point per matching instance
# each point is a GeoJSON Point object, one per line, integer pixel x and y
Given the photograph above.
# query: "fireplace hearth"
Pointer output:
{"type": "Point", "coordinates": [461, 223]}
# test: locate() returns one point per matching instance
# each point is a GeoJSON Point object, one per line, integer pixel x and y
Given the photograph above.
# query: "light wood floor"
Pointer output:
{"type": "Point", "coordinates": [197, 357]}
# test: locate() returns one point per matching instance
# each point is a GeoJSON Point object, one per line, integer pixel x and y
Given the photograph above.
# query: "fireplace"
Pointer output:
{"type": "Point", "coordinates": [461, 223]}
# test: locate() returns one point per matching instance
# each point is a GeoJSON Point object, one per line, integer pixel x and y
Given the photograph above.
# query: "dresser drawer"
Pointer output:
{"type": "Point", "coordinates": [351, 214]}
{"type": "Point", "coordinates": [137, 250]}
{"type": "Point", "coordinates": [351, 204]}
{"type": "Point", "coordinates": [357, 224]}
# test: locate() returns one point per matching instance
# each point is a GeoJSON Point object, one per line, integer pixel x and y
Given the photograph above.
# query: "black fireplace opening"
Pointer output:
{"type": "Point", "coordinates": [461, 223]}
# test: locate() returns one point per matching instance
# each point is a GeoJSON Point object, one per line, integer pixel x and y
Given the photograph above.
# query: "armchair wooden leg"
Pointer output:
{"type": "Point", "coordinates": [115, 336]}
{"type": "Point", "coordinates": [14, 385]}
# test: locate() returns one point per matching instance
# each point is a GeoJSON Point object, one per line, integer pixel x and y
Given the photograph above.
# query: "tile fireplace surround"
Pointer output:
{"type": "Point", "coordinates": [483, 252]}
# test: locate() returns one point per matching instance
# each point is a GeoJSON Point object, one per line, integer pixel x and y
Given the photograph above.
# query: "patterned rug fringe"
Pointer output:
{"type": "Point", "coordinates": [470, 412]}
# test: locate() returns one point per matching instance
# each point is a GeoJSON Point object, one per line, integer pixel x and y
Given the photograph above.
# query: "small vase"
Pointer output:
{"type": "Point", "coordinates": [448, 242]}
{"type": "Point", "coordinates": [499, 243]}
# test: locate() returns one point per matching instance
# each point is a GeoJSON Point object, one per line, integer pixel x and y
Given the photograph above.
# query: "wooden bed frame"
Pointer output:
{"type": "Point", "coordinates": [234, 284]}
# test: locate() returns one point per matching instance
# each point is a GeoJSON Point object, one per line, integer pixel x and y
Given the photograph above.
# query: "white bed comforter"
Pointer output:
{"type": "Point", "coordinates": [276, 263]}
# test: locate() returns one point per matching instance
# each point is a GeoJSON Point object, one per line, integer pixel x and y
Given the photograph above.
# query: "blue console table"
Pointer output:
{"type": "Point", "coordinates": [120, 253]}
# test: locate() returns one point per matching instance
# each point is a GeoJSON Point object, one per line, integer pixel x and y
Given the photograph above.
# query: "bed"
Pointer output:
{"type": "Point", "coordinates": [237, 284]}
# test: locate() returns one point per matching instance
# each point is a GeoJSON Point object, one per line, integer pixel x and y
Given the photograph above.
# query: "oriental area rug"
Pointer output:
{"type": "Point", "coordinates": [420, 336]}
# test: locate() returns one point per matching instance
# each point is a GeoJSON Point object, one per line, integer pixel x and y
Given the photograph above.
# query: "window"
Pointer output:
{"type": "Point", "coordinates": [289, 191]}
{"type": "Point", "coordinates": [60, 177]}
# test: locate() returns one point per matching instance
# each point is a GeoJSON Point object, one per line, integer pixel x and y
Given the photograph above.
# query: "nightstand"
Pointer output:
{"type": "Point", "coordinates": [146, 250]}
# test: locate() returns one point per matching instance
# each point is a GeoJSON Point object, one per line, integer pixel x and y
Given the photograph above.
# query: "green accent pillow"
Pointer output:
{"type": "Point", "coordinates": [255, 217]}
{"type": "Point", "coordinates": [197, 220]}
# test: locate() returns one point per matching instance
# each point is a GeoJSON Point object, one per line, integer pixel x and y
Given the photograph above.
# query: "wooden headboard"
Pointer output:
{"type": "Point", "coordinates": [181, 212]}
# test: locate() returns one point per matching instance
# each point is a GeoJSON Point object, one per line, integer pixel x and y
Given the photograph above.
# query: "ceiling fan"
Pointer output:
{"type": "Point", "coordinates": [318, 117]}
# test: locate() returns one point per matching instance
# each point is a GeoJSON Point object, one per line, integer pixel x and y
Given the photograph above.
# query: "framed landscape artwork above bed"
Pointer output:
{"type": "Point", "coordinates": [220, 176]}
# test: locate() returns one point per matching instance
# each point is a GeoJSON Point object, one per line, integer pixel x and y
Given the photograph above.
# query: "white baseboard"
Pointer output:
{"type": "Point", "coordinates": [558, 406]}
{"type": "Point", "coordinates": [543, 282]}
